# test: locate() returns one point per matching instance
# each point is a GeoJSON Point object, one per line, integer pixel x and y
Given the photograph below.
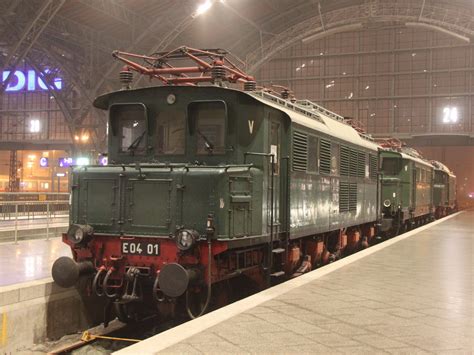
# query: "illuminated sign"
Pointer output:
{"type": "Point", "coordinates": [103, 160]}
{"type": "Point", "coordinates": [60, 175]}
{"type": "Point", "coordinates": [81, 161]}
{"type": "Point", "coordinates": [29, 80]}
{"type": "Point", "coordinates": [43, 162]}
{"type": "Point", "coordinates": [65, 162]}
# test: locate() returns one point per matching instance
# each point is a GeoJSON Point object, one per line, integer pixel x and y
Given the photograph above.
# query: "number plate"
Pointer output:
{"type": "Point", "coordinates": [141, 248]}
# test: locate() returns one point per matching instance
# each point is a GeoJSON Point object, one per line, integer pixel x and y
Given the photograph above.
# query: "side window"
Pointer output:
{"type": "Point", "coordinates": [170, 136]}
{"type": "Point", "coordinates": [207, 122]}
{"type": "Point", "coordinates": [129, 124]}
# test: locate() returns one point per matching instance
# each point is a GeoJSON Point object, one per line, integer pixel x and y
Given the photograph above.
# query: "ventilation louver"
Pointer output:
{"type": "Point", "coordinates": [300, 151]}
{"type": "Point", "coordinates": [325, 156]}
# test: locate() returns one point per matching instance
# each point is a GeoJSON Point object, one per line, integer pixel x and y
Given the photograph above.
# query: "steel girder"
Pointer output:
{"type": "Point", "coordinates": [40, 59]}
{"type": "Point", "coordinates": [165, 41]}
{"type": "Point", "coordinates": [29, 36]}
{"type": "Point", "coordinates": [450, 21]}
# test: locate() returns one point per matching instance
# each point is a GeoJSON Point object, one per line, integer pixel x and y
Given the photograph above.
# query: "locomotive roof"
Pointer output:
{"type": "Point", "coordinates": [440, 166]}
{"type": "Point", "coordinates": [319, 121]}
{"type": "Point", "coordinates": [409, 157]}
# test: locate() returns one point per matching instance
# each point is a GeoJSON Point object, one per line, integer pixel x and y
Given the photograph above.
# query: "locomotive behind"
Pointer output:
{"type": "Point", "coordinates": [209, 188]}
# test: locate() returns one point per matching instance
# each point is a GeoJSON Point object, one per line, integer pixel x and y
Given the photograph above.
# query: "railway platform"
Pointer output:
{"type": "Point", "coordinates": [29, 260]}
{"type": "Point", "coordinates": [411, 294]}
{"type": "Point", "coordinates": [27, 229]}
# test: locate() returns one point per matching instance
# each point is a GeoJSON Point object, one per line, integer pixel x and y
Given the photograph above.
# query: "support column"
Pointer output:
{"type": "Point", "coordinates": [13, 180]}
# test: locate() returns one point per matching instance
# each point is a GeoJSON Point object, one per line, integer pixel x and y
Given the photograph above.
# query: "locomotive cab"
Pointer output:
{"type": "Point", "coordinates": [406, 190]}
{"type": "Point", "coordinates": [188, 167]}
{"type": "Point", "coordinates": [179, 124]}
{"type": "Point", "coordinates": [444, 190]}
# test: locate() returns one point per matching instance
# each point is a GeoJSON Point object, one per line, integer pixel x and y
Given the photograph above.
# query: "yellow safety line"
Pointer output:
{"type": "Point", "coordinates": [86, 336]}
{"type": "Point", "coordinates": [4, 329]}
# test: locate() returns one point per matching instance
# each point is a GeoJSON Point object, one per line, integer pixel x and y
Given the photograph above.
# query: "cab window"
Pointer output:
{"type": "Point", "coordinates": [129, 124]}
{"type": "Point", "coordinates": [391, 166]}
{"type": "Point", "coordinates": [207, 120]}
{"type": "Point", "coordinates": [170, 137]}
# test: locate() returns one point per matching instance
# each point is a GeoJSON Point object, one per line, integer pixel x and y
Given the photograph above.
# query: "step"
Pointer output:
{"type": "Point", "coordinates": [278, 274]}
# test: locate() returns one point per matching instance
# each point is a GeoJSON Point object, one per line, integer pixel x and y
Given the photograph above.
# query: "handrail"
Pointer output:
{"type": "Point", "coordinates": [272, 207]}
{"type": "Point", "coordinates": [309, 109]}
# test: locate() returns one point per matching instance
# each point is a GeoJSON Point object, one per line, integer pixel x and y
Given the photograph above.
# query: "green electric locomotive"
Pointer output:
{"type": "Point", "coordinates": [211, 190]}
{"type": "Point", "coordinates": [444, 190]}
{"type": "Point", "coordinates": [208, 185]}
{"type": "Point", "coordinates": [406, 190]}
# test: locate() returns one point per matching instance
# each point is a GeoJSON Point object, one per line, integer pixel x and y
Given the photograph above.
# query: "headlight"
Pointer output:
{"type": "Point", "coordinates": [185, 239]}
{"type": "Point", "coordinates": [78, 232]}
{"type": "Point", "coordinates": [387, 203]}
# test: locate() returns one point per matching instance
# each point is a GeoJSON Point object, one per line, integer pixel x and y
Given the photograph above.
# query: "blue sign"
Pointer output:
{"type": "Point", "coordinates": [65, 162]}
{"type": "Point", "coordinates": [43, 162]}
{"type": "Point", "coordinates": [28, 80]}
{"type": "Point", "coordinates": [103, 160]}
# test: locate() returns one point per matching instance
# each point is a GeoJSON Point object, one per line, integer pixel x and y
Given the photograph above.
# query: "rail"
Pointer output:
{"type": "Point", "coordinates": [32, 219]}
{"type": "Point", "coordinates": [34, 196]}
{"type": "Point", "coordinates": [28, 210]}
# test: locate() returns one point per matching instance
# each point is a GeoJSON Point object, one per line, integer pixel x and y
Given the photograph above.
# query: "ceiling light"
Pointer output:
{"type": "Point", "coordinates": [203, 7]}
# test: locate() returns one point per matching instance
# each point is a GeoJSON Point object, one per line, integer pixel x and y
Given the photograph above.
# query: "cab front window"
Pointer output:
{"type": "Point", "coordinates": [170, 137]}
{"type": "Point", "coordinates": [391, 166]}
{"type": "Point", "coordinates": [129, 124]}
{"type": "Point", "coordinates": [208, 122]}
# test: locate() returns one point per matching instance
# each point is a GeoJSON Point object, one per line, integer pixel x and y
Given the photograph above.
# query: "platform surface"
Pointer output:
{"type": "Point", "coordinates": [410, 295]}
{"type": "Point", "coordinates": [29, 260]}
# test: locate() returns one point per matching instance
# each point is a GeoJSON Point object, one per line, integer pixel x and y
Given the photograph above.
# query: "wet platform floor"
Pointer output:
{"type": "Point", "coordinates": [29, 260]}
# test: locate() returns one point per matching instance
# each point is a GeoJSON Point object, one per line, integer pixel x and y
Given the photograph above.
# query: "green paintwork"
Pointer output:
{"type": "Point", "coordinates": [405, 190]}
{"type": "Point", "coordinates": [153, 195]}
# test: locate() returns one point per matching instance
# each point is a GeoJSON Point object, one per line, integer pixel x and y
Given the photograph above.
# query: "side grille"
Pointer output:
{"type": "Point", "coordinates": [360, 164]}
{"type": "Point", "coordinates": [343, 196]}
{"type": "Point", "coordinates": [373, 166]}
{"type": "Point", "coordinates": [347, 197]}
{"type": "Point", "coordinates": [344, 161]}
{"type": "Point", "coordinates": [325, 156]}
{"type": "Point", "coordinates": [353, 163]}
{"type": "Point", "coordinates": [300, 151]}
{"type": "Point", "coordinates": [352, 197]}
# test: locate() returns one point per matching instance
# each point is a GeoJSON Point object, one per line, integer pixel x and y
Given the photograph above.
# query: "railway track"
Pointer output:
{"type": "Point", "coordinates": [115, 336]}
